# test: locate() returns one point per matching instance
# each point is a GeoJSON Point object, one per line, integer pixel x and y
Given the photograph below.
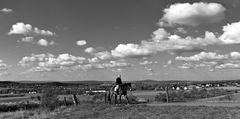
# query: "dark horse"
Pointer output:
{"type": "Point", "coordinates": [123, 88]}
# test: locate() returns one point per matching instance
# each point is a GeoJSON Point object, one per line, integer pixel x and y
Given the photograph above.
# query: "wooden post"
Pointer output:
{"type": "Point", "coordinates": [105, 98]}
{"type": "Point", "coordinates": [167, 94]}
{"type": "Point", "coordinates": [65, 101]}
{"type": "Point", "coordinates": [75, 101]}
{"type": "Point", "coordinates": [109, 97]}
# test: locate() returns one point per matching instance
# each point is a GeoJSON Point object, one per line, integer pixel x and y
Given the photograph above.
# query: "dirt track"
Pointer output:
{"type": "Point", "coordinates": [214, 104]}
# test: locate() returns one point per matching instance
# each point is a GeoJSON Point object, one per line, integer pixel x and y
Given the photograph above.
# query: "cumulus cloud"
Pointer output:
{"type": "Point", "coordinates": [203, 56]}
{"type": "Point", "coordinates": [3, 66]}
{"type": "Point", "coordinates": [186, 66]}
{"type": "Point", "coordinates": [113, 65]}
{"type": "Point", "coordinates": [212, 60]}
{"type": "Point", "coordinates": [231, 33]}
{"type": "Point", "coordinates": [6, 10]}
{"type": "Point", "coordinates": [146, 62]}
{"type": "Point", "coordinates": [228, 66]}
{"type": "Point", "coordinates": [164, 41]}
{"type": "Point", "coordinates": [181, 30]}
{"type": "Point", "coordinates": [27, 39]}
{"type": "Point", "coordinates": [160, 34]}
{"type": "Point", "coordinates": [235, 55]}
{"type": "Point", "coordinates": [192, 14]}
{"type": "Point", "coordinates": [67, 62]}
{"type": "Point", "coordinates": [131, 50]}
{"type": "Point", "coordinates": [90, 50]}
{"type": "Point", "coordinates": [4, 69]}
{"type": "Point", "coordinates": [81, 42]}
{"type": "Point", "coordinates": [49, 62]}
{"type": "Point", "coordinates": [28, 29]}
{"type": "Point", "coordinates": [104, 55]}
{"type": "Point", "coordinates": [43, 42]}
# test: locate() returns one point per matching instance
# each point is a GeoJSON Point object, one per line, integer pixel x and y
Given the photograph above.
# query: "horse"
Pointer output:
{"type": "Point", "coordinates": [123, 88]}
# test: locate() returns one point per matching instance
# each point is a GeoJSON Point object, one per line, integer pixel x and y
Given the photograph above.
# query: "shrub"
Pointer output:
{"type": "Point", "coordinates": [183, 96]}
{"type": "Point", "coordinates": [49, 99]}
{"type": "Point", "coordinates": [228, 97]}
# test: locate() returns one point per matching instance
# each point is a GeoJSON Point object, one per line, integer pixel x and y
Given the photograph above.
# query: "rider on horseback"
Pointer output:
{"type": "Point", "coordinates": [118, 83]}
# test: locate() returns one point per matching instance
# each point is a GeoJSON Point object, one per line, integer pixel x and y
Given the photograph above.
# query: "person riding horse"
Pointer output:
{"type": "Point", "coordinates": [119, 89]}
{"type": "Point", "coordinates": [118, 83]}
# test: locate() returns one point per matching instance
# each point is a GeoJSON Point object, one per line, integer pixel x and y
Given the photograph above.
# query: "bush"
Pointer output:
{"type": "Point", "coordinates": [228, 97]}
{"type": "Point", "coordinates": [183, 96]}
{"type": "Point", "coordinates": [13, 106]}
{"type": "Point", "coordinates": [49, 99]}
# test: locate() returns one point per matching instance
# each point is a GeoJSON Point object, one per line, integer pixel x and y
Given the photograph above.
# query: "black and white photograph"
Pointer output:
{"type": "Point", "coordinates": [119, 59]}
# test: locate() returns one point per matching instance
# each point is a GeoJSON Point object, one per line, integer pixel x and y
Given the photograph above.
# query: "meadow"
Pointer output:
{"type": "Point", "coordinates": [105, 111]}
{"type": "Point", "coordinates": [225, 106]}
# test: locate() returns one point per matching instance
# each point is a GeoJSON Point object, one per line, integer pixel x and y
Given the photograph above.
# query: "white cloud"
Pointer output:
{"type": "Point", "coordinates": [115, 64]}
{"type": "Point", "coordinates": [28, 29]}
{"type": "Point", "coordinates": [131, 50]}
{"type": "Point", "coordinates": [4, 69]}
{"type": "Point", "coordinates": [192, 14]}
{"type": "Point", "coordinates": [160, 34]}
{"type": "Point", "coordinates": [104, 55]}
{"type": "Point", "coordinates": [94, 60]}
{"type": "Point", "coordinates": [228, 66]}
{"type": "Point", "coordinates": [231, 33]}
{"type": "Point", "coordinates": [27, 39]}
{"type": "Point", "coordinates": [213, 61]}
{"type": "Point", "coordinates": [48, 62]}
{"type": "Point", "coordinates": [81, 42]}
{"type": "Point", "coordinates": [111, 65]}
{"type": "Point", "coordinates": [186, 66]}
{"type": "Point", "coordinates": [5, 73]}
{"type": "Point", "coordinates": [181, 30]}
{"type": "Point", "coordinates": [90, 50]}
{"type": "Point", "coordinates": [203, 56]}
{"type": "Point", "coordinates": [51, 42]}
{"type": "Point", "coordinates": [235, 55]}
{"type": "Point", "coordinates": [6, 10]}
{"type": "Point", "coordinates": [146, 62]}
{"type": "Point", "coordinates": [43, 42]}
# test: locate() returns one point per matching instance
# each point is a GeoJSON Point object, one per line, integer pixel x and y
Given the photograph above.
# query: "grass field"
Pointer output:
{"type": "Point", "coordinates": [4, 98]}
{"type": "Point", "coordinates": [103, 111]}
{"type": "Point", "coordinates": [209, 108]}
{"type": "Point", "coordinates": [148, 95]}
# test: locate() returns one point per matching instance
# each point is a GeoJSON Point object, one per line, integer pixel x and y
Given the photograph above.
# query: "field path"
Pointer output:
{"type": "Point", "coordinates": [214, 104]}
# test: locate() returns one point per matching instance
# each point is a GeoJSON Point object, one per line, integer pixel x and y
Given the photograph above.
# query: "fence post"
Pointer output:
{"type": "Point", "coordinates": [105, 98]}
{"type": "Point", "coordinates": [65, 101]}
{"type": "Point", "coordinates": [167, 94]}
{"type": "Point", "coordinates": [75, 100]}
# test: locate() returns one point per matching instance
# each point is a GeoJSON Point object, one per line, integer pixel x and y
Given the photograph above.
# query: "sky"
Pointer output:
{"type": "Point", "coordinates": [62, 40]}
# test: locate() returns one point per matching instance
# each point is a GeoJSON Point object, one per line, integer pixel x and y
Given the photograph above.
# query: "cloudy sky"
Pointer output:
{"type": "Point", "coordinates": [62, 40]}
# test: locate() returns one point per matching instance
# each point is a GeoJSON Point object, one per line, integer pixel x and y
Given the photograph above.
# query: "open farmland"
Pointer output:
{"type": "Point", "coordinates": [16, 97]}
{"type": "Point", "coordinates": [148, 95]}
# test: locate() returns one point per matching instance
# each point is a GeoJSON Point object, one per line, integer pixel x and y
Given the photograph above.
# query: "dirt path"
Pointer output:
{"type": "Point", "coordinates": [214, 104]}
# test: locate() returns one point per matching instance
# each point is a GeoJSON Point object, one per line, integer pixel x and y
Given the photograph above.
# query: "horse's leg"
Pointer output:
{"type": "Point", "coordinates": [111, 95]}
{"type": "Point", "coordinates": [127, 99]}
{"type": "Point", "coordinates": [120, 98]}
{"type": "Point", "coordinates": [116, 98]}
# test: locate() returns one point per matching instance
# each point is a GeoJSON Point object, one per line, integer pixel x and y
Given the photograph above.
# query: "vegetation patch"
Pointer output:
{"type": "Point", "coordinates": [190, 95]}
